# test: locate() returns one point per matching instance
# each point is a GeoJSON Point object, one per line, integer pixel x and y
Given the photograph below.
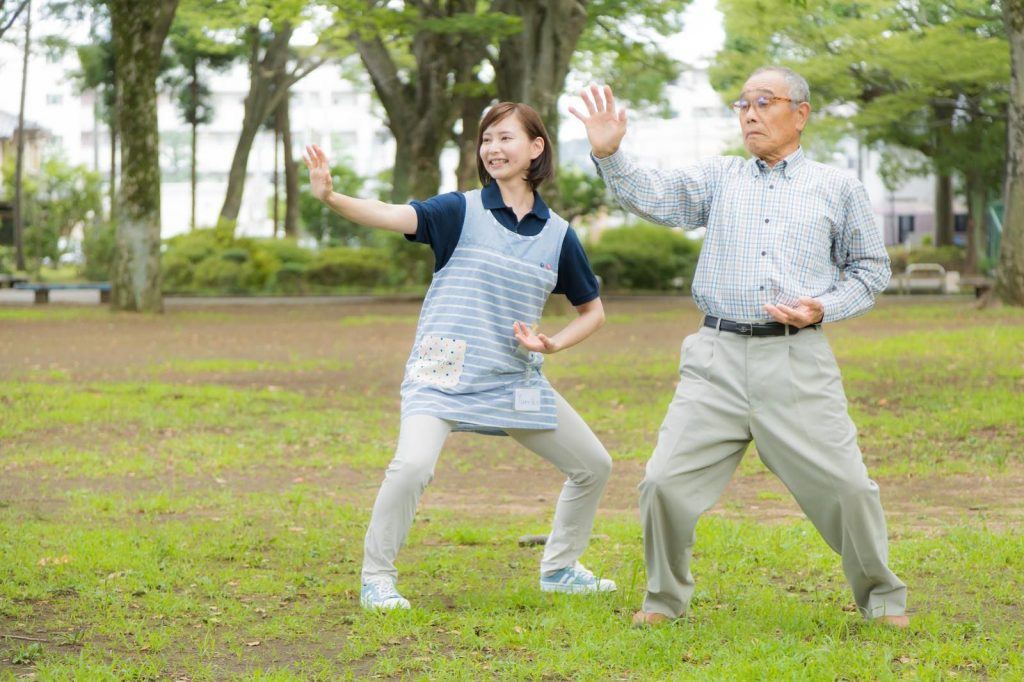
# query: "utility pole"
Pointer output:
{"type": "Point", "coordinates": [19, 250]}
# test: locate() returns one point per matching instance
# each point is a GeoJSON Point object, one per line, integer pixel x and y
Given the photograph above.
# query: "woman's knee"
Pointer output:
{"type": "Point", "coordinates": [409, 474]}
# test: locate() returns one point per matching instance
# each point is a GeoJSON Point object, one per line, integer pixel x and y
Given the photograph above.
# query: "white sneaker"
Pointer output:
{"type": "Point", "coordinates": [380, 594]}
{"type": "Point", "coordinates": [575, 580]}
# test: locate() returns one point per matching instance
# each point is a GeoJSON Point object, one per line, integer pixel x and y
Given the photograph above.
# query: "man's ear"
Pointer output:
{"type": "Point", "coordinates": [804, 112]}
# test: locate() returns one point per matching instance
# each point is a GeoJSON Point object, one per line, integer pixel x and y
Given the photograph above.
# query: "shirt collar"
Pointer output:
{"type": "Point", "coordinates": [789, 165]}
{"type": "Point", "coordinates": [490, 195]}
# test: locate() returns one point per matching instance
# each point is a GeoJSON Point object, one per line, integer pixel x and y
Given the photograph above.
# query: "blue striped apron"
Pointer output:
{"type": "Point", "coordinates": [466, 365]}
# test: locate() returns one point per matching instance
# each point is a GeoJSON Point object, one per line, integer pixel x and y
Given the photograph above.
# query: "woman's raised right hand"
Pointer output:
{"type": "Point", "coordinates": [320, 183]}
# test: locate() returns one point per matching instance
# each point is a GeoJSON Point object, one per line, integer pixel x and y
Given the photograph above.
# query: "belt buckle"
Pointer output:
{"type": "Point", "coordinates": [745, 329]}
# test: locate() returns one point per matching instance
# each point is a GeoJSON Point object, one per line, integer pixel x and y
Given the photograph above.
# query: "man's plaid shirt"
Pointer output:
{"type": "Point", "coordinates": [773, 234]}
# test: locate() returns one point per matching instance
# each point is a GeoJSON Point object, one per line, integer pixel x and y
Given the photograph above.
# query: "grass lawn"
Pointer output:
{"type": "Point", "coordinates": [184, 496]}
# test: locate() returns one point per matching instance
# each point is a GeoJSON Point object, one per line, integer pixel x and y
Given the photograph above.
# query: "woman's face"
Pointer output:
{"type": "Point", "coordinates": [507, 149]}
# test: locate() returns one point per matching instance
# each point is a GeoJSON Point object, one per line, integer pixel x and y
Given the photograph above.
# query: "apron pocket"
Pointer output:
{"type": "Point", "coordinates": [439, 361]}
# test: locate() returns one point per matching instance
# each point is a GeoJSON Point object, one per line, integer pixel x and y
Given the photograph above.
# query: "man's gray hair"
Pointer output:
{"type": "Point", "coordinates": [799, 91]}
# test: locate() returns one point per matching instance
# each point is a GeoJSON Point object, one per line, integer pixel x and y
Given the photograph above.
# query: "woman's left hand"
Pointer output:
{"type": "Point", "coordinates": [532, 341]}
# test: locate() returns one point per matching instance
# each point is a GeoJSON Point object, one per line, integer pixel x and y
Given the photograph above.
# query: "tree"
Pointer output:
{"type": "Point", "coordinates": [139, 30]}
{"type": "Point", "coordinates": [864, 63]}
{"type": "Point", "coordinates": [431, 65]}
{"type": "Point", "coordinates": [98, 75]}
{"type": "Point", "coordinates": [412, 57]}
{"type": "Point", "coordinates": [19, 212]}
{"type": "Point", "coordinates": [58, 199]}
{"type": "Point", "coordinates": [195, 51]}
{"type": "Point", "coordinates": [268, 27]}
{"type": "Point", "coordinates": [1010, 271]}
{"type": "Point", "coordinates": [9, 12]}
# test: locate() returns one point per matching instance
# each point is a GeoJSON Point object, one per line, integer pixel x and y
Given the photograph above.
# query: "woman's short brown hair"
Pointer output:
{"type": "Point", "coordinates": [542, 167]}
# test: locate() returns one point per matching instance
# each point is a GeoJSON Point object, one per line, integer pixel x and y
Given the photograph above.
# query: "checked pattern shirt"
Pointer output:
{"type": "Point", "coordinates": [773, 235]}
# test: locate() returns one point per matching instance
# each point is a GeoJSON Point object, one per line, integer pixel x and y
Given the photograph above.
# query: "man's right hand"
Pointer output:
{"type": "Point", "coordinates": [605, 126]}
{"type": "Point", "coordinates": [320, 183]}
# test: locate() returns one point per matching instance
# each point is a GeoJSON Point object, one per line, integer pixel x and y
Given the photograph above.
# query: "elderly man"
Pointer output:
{"type": "Point", "coordinates": [790, 244]}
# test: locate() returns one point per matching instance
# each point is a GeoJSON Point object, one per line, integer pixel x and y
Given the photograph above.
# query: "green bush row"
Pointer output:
{"type": "Point", "coordinates": [209, 261]}
{"type": "Point", "coordinates": [949, 257]}
{"type": "Point", "coordinates": [639, 257]}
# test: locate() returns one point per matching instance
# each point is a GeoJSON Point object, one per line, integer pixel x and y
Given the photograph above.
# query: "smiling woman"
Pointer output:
{"type": "Point", "coordinates": [476, 359]}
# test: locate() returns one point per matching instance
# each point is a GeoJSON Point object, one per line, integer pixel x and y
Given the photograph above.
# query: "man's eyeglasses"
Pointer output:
{"type": "Point", "coordinates": [760, 103]}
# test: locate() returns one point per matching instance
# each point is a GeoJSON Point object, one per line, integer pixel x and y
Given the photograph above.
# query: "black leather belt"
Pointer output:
{"type": "Point", "coordinates": [753, 329]}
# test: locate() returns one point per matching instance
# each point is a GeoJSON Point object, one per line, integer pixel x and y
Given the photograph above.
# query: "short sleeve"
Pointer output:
{"type": "Point", "coordinates": [576, 279]}
{"type": "Point", "coordinates": [439, 223]}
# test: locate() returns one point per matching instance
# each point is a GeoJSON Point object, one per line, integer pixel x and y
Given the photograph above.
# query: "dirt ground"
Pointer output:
{"type": "Point", "coordinates": [126, 347]}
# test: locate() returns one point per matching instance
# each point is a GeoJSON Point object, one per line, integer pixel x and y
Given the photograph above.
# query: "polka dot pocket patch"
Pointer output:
{"type": "Point", "coordinates": [439, 361]}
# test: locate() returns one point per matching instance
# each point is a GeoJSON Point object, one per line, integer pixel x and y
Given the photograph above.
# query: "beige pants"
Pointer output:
{"type": "Point", "coordinates": [785, 393]}
{"type": "Point", "coordinates": [572, 447]}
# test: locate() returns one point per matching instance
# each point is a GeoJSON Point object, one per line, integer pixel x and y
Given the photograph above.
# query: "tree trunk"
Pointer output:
{"type": "Point", "coordinates": [291, 169]}
{"type": "Point", "coordinates": [269, 82]}
{"type": "Point", "coordinates": [112, 190]}
{"type": "Point", "coordinates": [977, 206]}
{"type": "Point", "coordinates": [1010, 272]}
{"type": "Point", "coordinates": [138, 30]}
{"type": "Point", "coordinates": [194, 85]}
{"type": "Point", "coordinates": [943, 210]}
{"type": "Point", "coordinates": [276, 201]}
{"type": "Point", "coordinates": [19, 215]}
{"type": "Point", "coordinates": [420, 114]}
{"type": "Point", "coordinates": [532, 66]}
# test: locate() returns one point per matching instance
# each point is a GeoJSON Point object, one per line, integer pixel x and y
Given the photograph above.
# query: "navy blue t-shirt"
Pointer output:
{"type": "Point", "coordinates": [439, 223]}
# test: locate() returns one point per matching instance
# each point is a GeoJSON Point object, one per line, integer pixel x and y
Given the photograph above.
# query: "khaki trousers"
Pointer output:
{"type": "Point", "coordinates": [572, 447]}
{"type": "Point", "coordinates": [786, 394]}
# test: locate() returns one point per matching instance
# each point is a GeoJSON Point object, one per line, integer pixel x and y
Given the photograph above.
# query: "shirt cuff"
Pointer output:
{"type": "Point", "coordinates": [615, 164]}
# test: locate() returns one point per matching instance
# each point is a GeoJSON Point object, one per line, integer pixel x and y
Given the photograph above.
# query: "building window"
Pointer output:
{"type": "Point", "coordinates": [905, 224]}
{"type": "Point", "coordinates": [346, 99]}
{"type": "Point", "coordinates": [54, 99]}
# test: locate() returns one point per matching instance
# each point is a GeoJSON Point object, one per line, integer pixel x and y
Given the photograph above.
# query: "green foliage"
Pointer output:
{"type": "Point", "coordinates": [645, 257]}
{"type": "Point", "coordinates": [411, 264]}
{"type": "Point", "coordinates": [323, 224]}
{"type": "Point", "coordinates": [202, 262]}
{"type": "Point", "coordinates": [863, 62]}
{"type": "Point", "coordinates": [580, 193]}
{"type": "Point", "coordinates": [56, 200]}
{"type": "Point", "coordinates": [949, 257]}
{"type": "Point", "coordinates": [351, 267]}
{"type": "Point", "coordinates": [98, 247]}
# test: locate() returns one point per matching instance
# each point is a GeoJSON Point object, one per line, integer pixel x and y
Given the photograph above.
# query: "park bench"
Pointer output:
{"type": "Point", "coordinates": [980, 283]}
{"type": "Point", "coordinates": [42, 290]}
{"type": "Point", "coordinates": [926, 277]}
{"type": "Point", "coordinates": [10, 280]}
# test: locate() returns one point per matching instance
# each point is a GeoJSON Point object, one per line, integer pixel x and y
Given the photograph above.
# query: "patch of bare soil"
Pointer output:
{"type": "Point", "coordinates": [372, 339]}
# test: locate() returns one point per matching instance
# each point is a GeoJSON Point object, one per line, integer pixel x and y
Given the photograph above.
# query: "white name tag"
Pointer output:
{"type": "Point", "coordinates": [528, 400]}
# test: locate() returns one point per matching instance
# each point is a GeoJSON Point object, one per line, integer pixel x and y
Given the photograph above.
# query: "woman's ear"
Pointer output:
{"type": "Point", "coordinates": [536, 147]}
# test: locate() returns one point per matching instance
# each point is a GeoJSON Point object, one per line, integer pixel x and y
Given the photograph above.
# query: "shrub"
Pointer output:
{"type": "Point", "coordinates": [409, 264]}
{"type": "Point", "coordinates": [219, 274]}
{"type": "Point", "coordinates": [290, 278]}
{"type": "Point", "coordinates": [285, 250]}
{"type": "Point", "coordinates": [644, 256]}
{"type": "Point", "coordinates": [98, 246]}
{"type": "Point", "coordinates": [949, 257]}
{"type": "Point", "coordinates": [348, 267]}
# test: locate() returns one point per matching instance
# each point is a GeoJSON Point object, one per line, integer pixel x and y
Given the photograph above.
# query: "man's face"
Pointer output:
{"type": "Point", "coordinates": [771, 131]}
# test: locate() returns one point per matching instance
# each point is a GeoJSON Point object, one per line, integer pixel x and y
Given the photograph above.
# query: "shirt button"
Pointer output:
{"type": "Point", "coordinates": [765, 253]}
{"type": "Point", "coordinates": [762, 287]}
{"type": "Point", "coordinates": [771, 186]}
{"type": "Point", "coordinates": [765, 220]}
